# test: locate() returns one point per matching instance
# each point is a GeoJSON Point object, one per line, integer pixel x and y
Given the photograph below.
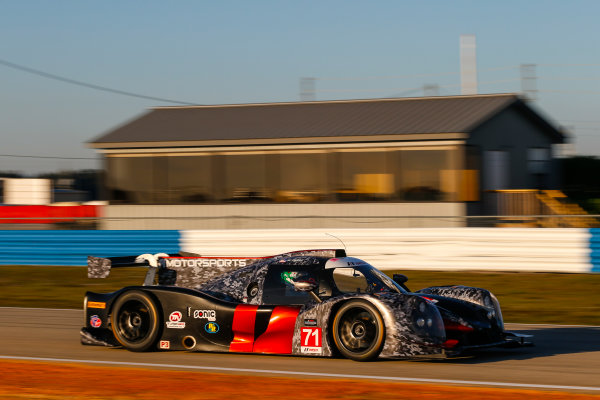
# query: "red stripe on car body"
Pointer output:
{"type": "Point", "coordinates": [278, 337]}
{"type": "Point", "coordinates": [244, 318]}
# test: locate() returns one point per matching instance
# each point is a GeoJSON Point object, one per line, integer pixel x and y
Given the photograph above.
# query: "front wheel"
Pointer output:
{"type": "Point", "coordinates": [135, 321]}
{"type": "Point", "coordinates": [358, 330]}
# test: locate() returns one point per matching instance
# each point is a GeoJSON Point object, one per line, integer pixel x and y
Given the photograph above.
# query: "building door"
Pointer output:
{"type": "Point", "coordinates": [495, 170]}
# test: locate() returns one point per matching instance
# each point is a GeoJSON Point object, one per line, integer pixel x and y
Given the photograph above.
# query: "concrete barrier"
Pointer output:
{"type": "Point", "coordinates": [483, 249]}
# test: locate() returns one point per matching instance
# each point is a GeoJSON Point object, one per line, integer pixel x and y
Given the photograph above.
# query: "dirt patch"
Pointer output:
{"type": "Point", "coordinates": [36, 380]}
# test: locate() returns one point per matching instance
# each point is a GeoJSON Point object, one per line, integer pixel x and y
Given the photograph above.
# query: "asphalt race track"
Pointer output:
{"type": "Point", "coordinates": [564, 358]}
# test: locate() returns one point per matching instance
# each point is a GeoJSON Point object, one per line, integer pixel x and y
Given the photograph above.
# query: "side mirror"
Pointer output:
{"type": "Point", "coordinates": [401, 279]}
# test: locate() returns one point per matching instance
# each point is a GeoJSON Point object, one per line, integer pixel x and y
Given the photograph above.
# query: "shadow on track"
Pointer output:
{"type": "Point", "coordinates": [548, 342]}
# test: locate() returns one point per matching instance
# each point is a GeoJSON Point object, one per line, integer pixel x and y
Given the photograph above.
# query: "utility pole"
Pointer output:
{"type": "Point", "coordinates": [468, 65]}
{"type": "Point", "coordinates": [308, 91]}
{"type": "Point", "coordinates": [432, 89]}
{"type": "Point", "coordinates": [529, 81]}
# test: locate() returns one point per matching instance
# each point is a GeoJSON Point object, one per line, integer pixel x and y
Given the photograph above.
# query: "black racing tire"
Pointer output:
{"type": "Point", "coordinates": [358, 330]}
{"type": "Point", "coordinates": [135, 320]}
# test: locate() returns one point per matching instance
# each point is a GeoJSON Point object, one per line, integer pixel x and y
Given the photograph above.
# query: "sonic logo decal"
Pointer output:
{"type": "Point", "coordinates": [210, 315]}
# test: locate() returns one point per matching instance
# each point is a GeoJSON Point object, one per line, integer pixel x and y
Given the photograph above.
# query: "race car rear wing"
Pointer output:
{"type": "Point", "coordinates": [99, 267]}
{"type": "Point", "coordinates": [187, 269]}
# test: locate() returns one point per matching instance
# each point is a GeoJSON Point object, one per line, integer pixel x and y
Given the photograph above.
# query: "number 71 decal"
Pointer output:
{"type": "Point", "coordinates": [310, 341]}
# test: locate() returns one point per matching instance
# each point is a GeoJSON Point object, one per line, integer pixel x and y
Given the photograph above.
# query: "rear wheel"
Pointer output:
{"type": "Point", "coordinates": [358, 330]}
{"type": "Point", "coordinates": [134, 320]}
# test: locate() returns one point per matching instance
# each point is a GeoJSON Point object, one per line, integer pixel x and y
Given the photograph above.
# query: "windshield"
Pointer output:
{"type": "Point", "coordinates": [364, 278]}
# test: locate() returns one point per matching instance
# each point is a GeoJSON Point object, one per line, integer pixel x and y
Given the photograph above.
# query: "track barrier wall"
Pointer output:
{"type": "Point", "coordinates": [63, 247]}
{"type": "Point", "coordinates": [486, 249]}
{"type": "Point", "coordinates": [574, 250]}
{"type": "Point", "coordinates": [44, 214]}
{"type": "Point", "coordinates": [595, 249]}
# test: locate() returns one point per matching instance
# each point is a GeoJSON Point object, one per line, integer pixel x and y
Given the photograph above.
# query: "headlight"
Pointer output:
{"type": "Point", "coordinates": [497, 310]}
{"type": "Point", "coordinates": [487, 301]}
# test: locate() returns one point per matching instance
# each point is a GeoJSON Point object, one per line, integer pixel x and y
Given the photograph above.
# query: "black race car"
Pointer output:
{"type": "Point", "coordinates": [312, 303]}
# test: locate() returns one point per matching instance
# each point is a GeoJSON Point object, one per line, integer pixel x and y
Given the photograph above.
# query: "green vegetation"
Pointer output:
{"type": "Point", "coordinates": [58, 287]}
{"type": "Point", "coordinates": [525, 297]}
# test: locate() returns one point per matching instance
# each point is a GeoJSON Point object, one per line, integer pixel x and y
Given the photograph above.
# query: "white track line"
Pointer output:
{"type": "Point", "coordinates": [316, 374]}
{"type": "Point", "coordinates": [552, 325]}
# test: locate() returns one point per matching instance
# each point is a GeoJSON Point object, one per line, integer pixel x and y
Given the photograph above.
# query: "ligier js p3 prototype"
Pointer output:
{"type": "Point", "coordinates": [312, 303]}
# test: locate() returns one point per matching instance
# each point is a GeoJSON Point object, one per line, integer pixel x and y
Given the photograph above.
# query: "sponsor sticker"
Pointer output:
{"type": "Point", "coordinates": [211, 327]}
{"type": "Point", "coordinates": [95, 321]}
{"type": "Point", "coordinates": [310, 341]}
{"type": "Point", "coordinates": [310, 322]}
{"type": "Point", "coordinates": [210, 315]}
{"type": "Point", "coordinates": [96, 304]}
{"type": "Point", "coordinates": [355, 263]}
{"type": "Point", "coordinates": [204, 262]}
{"type": "Point", "coordinates": [175, 316]}
{"type": "Point", "coordinates": [429, 299]}
{"type": "Point", "coordinates": [165, 344]}
{"type": "Point", "coordinates": [175, 320]}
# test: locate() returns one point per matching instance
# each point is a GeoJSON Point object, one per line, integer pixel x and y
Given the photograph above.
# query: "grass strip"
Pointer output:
{"type": "Point", "coordinates": [525, 297]}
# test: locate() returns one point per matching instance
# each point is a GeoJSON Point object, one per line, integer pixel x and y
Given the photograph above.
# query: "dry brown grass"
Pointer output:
{"type": "Point", "coordinates": [51, 381]}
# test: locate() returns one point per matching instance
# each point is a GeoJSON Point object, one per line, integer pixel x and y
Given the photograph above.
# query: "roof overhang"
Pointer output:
{"type": "Point", "coordinates": [383, 140]}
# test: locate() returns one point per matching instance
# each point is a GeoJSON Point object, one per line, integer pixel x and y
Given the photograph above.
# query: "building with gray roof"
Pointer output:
{"type": "Point", "coordinates": [400, 157]}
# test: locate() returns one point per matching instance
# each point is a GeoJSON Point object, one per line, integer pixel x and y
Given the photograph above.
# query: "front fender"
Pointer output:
{"type": "Point", "coordinates": [416, 327]}
{"type": "Point", "coordinates": [400, 312]}
{"type": "Point", "coordinates": [482, 297]}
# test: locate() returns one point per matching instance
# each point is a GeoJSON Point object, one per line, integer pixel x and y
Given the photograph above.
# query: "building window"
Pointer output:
{"type": "Point", "coordinates": [390, 174]}
{"type": "Point", "coordinates": [428, 175]}
{"type": "Point", "coordinates": [244, 179]}
{"type": "Point", "coordinates": [189, 179]}
{"type": "Point", "coordinates": [537, 160]}
{"type": "Point", "coordinates": [131, 179]}
{"type": "Point", "coordinates": [302, 177]}
{"type": "Point", "coordinates": [363, 176]}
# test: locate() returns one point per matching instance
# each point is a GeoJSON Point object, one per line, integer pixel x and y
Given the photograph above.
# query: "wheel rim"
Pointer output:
{"type": "Point", "coordinates": [358, 330]}
{"type": "Point", "coordinates": [133, 323]}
